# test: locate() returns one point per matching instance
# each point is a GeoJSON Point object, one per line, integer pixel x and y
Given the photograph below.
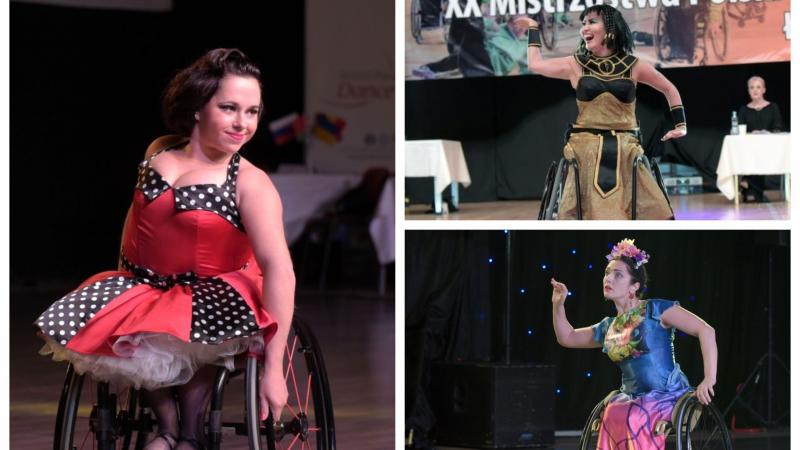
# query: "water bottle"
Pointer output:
{"type": "Point", "coordinates": [734, 124]}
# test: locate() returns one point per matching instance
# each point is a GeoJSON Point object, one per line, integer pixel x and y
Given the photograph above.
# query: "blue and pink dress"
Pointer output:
{"type": "Point", "coordinates": [652, 382]}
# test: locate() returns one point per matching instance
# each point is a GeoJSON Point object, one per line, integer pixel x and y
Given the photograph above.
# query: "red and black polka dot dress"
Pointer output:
{"type": "Point", "coordinates": [189, 294]}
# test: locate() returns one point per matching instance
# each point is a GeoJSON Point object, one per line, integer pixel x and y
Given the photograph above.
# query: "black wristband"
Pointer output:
{"type": "Point", "coordinates": [678, 116]}
{"type": "Point", "coordinates": [534, 37]}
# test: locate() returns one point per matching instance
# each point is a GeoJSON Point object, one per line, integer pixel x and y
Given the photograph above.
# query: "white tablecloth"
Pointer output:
{"type": "Point", "coordinates": [381, 227]}
{"type": "Point", "coordinates": [306, 196]}
{"type": "Point", "coordinates": [752, 154]}
{"type": "Point", "coordinates": [442, 160]}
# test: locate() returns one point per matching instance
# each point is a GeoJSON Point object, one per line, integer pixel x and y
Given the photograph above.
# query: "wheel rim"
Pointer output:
{"type": "Point", "coordinates": [702, 428]}
{"type": "Point", "coordinates": [78, 418]}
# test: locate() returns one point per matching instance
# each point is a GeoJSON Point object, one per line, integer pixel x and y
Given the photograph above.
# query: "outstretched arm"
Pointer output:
{"type": "Point", "coordinates": [647, 74]}
{"type": "Point", "coordinates": [691, 324]}
{"type": "Point", "coordinates": [566, 335]}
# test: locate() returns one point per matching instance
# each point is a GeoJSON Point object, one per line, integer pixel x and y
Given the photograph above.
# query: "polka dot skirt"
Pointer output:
{"type": "Point", "coordinates": [219, 313]}
{"type": "Point", "coordinates": [69, 314]}
{"type": "Point", "coordinates": [220, 200]}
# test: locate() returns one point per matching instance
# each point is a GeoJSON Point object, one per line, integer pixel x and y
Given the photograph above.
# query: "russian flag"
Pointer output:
{"type": "Point", "coordinates": [287, 128]}
{"type": "Point", "coordinates": [328, 128]}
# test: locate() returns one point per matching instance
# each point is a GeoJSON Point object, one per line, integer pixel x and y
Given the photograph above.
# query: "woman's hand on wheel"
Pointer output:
{"type": "Point", "coordinates": [272, 393]}
{"type": "Point", "coordinates": [559, 292]}
{"type": "Point", "coordinates": [674, 134]}
{"type": "Point", "coordinates": [704, 391]}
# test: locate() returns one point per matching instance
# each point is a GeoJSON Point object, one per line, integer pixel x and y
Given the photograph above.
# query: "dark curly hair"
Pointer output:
{"type": "Point", "coordinates": [637, 275]}
{"type": "Point", "coordinates": [620, 37]}
{"type": "Point", "coordinates": [194, 86]}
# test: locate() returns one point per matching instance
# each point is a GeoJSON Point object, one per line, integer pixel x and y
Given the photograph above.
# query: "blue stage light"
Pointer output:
{"type": "Point", "coordinates": [491, 260]}
{"type": "Point", "coordinates": [573, 251]}
{"type": "Point", "coordinates": [591, 267]}
{"type": "Point", "coordinates": [544, 266]}
{"type": "Point", "coordinates": [522, 291]}
{"type": "Point", "coordinates": [558, 391]}
{"type": "Point", "coordinates": [530, 332]}
{"type": "Point", "coordinates": [588, 374]}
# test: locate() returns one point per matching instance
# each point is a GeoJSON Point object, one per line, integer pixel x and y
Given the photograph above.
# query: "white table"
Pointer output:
{"type": "Point", "coordinates": [753, 154]}
{"type": "Point", "coordinates": [305, 196]}
{"type": "Point", "coordinates": [442, 160]}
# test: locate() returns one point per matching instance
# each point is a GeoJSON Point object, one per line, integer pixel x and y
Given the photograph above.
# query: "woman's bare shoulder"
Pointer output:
{"type": "Point", "coordinates": [252, 178]}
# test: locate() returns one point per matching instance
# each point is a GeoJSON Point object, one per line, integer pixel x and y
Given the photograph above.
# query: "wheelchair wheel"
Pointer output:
{"type": "Point", "coordinates": [661, 36]}
{"type": "Point", "coordinates": [591, 430]}
{"type": "Point", "coordinates": [549, 29]}
{"type": "Point", "coordinates": [699, 427]}
{"type": "Point", "coordinates": [88, 417]}
{"type": "Point", "coordinates": [307, 419]}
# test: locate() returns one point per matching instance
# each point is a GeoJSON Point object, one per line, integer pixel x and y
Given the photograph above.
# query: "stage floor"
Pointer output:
{"type": "Point", "coordinates": [713, 206]}
{"type": "Point", "coordinates": [777, 439]}
{"type": "Point", "coordinates": [355, 331]}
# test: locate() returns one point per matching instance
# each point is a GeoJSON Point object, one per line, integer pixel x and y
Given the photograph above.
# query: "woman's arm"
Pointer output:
{"type": "Point", "coordinates": [562, 68]}
{"type": "Point", "coordinates": [262, 215]}
{"type": "Point", "coordinates": [647, 74]}
{"type": "Point", "coordinates": [691, 324]}
{"type": "Point", "coordinates": [565, 334]}
{"type": "Point", "coordinates": [777, 123]}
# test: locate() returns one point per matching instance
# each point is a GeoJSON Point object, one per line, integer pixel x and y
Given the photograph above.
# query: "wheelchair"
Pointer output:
{"type": "Point", "coordinates": [693, 426]}
{"type": "Point", "coordinates": [556, 180]}
{"type": "Point", "coordinates": [703, 34]}
{"type": "Point", "coordinates": [419, 22]}
{"type": "Point", "coordinates": [91, 415]}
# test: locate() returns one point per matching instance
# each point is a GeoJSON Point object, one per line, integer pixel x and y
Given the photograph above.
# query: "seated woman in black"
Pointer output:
{"type": "Point", "coordinates": [760, 116]}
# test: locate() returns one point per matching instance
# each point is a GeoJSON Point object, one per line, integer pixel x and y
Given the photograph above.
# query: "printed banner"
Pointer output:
{"type": "Point", "coordinates": [467, 38]}
{"type": "Point", "coordinates": [349, 105]}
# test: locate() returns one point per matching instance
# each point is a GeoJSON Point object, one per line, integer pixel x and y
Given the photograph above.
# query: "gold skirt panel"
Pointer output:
{"type": "Point", "coordinates": [586, 148]}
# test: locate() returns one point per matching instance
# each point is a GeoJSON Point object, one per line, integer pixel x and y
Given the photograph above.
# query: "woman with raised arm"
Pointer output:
{"type": "Point", "coordinates": [205, 272]}
{"type": "Point", "coordinates": [604, 139]}
{"type": "Point", "coordinates": [640, 340]}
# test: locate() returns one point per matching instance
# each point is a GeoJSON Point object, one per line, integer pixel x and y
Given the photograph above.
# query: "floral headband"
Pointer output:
{"type": "Point", "coordinates": [626, 248]}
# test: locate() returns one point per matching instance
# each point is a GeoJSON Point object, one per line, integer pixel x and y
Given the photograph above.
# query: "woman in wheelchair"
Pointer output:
{"type": "Point", "coordinates": [639, 339]}
{"type": "Point", "coordinates": [603, 144]}
{"type": "Point", "coordinates": [204, 272]}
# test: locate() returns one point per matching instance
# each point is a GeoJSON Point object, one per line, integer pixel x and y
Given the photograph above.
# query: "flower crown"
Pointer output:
{"type": "Point", "coordinates": [626, 248]}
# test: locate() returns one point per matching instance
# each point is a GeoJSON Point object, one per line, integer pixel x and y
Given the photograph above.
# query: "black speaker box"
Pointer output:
{"type": "Point", "coordinates": [491, 405]}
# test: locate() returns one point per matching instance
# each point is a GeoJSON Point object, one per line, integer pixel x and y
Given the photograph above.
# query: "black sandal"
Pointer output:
{"type": "Point", "coordinates": [169, 438]}
{"type": "Point", "coordinates": [193, 442]}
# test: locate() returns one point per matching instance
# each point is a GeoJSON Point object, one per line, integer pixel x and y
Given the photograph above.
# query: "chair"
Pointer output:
{"type": "Point", "coordinates": [92, 415]}
{"type": "Point", "coordinates": [693, 426]}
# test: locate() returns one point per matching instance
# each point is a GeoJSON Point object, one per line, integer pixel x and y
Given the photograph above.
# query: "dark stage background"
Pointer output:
{"type": "Point", "coordinates": [511, 128]}
{"type": "Point", "coordinates": [455, 299]}
{"type": "Point", "coordinates": [85, 102]}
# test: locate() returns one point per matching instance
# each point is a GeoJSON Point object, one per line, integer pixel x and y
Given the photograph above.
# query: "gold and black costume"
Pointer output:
{"type": "Point", "coordinates": [604, 141]}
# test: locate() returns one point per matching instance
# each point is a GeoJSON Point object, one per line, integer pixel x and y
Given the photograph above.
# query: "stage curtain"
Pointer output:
{"type": "Point", "coordinates": [722, 276]}
{"type": "Point", "coordinates": [512, 128]}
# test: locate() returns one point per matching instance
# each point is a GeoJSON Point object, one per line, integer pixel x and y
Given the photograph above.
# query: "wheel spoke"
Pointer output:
{"type": "Point", "coordinates": [308, 392]}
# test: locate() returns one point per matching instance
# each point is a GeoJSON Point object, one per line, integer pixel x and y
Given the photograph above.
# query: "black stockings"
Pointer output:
{"type": "Point", "coordinates": [183, 418]}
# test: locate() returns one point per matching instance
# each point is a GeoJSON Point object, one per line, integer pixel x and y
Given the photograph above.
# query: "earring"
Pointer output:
{"type": "Point", "coordinates": [630, 295]}
{"type": "Point", "coordinates": [197, 116]}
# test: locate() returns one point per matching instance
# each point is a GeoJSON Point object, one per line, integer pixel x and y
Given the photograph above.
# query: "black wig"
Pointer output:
{"type": "Point", "coordinates": [618, 35]}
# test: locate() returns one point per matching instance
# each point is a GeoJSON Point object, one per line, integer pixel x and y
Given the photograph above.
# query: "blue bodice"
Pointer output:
{"type": "Point", "coordinates": [642, 348]}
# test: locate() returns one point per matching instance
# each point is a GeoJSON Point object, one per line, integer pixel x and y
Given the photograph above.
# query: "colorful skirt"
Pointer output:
{"type": "Point", "coordinates": [628, 423]}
